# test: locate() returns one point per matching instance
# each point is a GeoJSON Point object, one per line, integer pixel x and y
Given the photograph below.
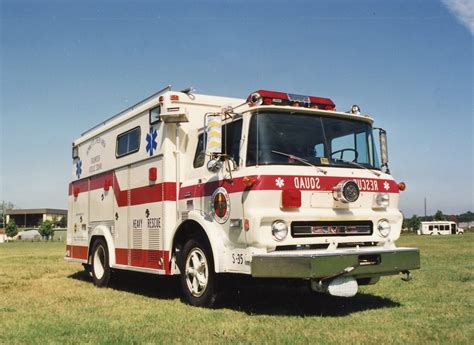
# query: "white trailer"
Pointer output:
{"type": "Point", "coordinates": [277, 185]}
{"type": "Point", "coordinates": [440, 228]}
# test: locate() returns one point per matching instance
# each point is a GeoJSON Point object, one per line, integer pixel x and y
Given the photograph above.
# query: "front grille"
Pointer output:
{"type": "Point", "coordinates": [336, 228]}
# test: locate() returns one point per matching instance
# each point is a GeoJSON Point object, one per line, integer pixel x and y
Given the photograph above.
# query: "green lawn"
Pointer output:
{"type": "Point", "coordinates": [44, 299]}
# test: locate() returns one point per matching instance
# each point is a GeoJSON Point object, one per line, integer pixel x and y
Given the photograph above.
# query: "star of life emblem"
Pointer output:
{"type": "Point", "coordinates": [279, 182]}
{"type": "Point", "coordinates": [386, 185]}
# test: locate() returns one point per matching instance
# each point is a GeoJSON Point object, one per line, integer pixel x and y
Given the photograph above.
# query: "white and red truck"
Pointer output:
{"type": "Point", "coordinates": [277, 185]}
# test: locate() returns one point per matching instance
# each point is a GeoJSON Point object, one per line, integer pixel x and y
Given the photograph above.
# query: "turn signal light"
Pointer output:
{"type": "Point", "coordinates": [402, 186]}
{"type": "Point", "coordinates": [246, 224]}
{"type": "Point", "coordinates": [107, 185]}
{"type": "Point", "coordinates": [291, 198]}
{"type": "Point", "coordinates": [152, 174]}
{"type": "Point", "coordinates": [76, 191]}
{"type": "Point", "coordinates": [248, 181]}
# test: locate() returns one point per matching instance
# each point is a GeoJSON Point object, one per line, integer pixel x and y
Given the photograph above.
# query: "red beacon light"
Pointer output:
{"type": "Point", "coordinates": [265, 97]}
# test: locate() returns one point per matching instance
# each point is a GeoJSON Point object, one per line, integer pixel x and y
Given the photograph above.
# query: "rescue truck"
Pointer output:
{"type": "Point", "coordinates": [277, 185]}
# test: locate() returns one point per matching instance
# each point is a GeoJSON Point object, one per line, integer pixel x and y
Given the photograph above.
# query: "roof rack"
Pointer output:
{"type": "Point", "coordinates": [168, 88]}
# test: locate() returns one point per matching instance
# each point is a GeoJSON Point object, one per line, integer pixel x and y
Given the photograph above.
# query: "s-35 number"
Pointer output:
{"type": "Point", "coordinates": [237, 258]}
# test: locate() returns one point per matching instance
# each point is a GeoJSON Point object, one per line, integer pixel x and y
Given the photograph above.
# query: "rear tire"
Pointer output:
{"type": "Point", "coordinates": [100, 264]}
{"type": "Point", "coordinates": [198, 278]}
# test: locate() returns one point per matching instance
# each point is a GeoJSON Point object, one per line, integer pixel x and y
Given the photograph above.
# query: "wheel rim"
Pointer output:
{"type": "Point", "coordinates": [197, 272]}
{"type": "Point", "coordinates": [99, 262]}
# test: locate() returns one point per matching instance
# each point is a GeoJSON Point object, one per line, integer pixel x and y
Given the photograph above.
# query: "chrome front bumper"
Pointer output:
{"type": "Point", "coordinates": [311, 264]}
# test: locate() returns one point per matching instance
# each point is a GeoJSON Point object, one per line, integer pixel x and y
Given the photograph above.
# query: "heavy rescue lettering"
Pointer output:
{"type": "Point", "coordinates": [367, 185]}
{"type": "Point", "coordinates": [307, 182]}
{"type": "Point", "coordinates": [154, 223]}
{"type": "Point", "coordinates": [137, 224]}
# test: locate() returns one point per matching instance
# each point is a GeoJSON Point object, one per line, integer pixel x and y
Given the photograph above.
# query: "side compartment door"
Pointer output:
{"type": "Point", "coordinates": [147, 193]}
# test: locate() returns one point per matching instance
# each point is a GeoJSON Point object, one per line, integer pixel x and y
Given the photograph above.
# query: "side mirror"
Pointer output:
{"type": "Point", "coordinates": [214, 165]}
{"type": "Point", "coordinates": [213, 134]}
{"type": "Point", "coordinates": [383, 148]}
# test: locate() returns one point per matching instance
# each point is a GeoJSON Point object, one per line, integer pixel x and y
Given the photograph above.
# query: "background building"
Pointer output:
{"type": "Point", "coordinates": [29, 218]}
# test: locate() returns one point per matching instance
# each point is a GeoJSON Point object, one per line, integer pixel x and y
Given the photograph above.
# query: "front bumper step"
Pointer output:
{"type": "Point", "coordinates": [313, 264]}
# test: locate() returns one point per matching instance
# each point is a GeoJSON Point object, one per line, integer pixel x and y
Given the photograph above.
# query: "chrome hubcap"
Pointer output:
{"type": "Point", "coordinates": [99, 262]}
{"type": "Point", "coordinates": [196, 271]}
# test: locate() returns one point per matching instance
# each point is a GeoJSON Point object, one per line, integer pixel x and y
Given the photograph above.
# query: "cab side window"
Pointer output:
{"type": "Point", "coordinates": [200, 155]}
{"type": "Point", "coordinates": [231, 134]}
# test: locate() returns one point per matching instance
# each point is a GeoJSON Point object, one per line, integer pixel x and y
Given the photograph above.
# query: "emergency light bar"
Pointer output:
{"type": "Point", "coordinates": [265, 97]}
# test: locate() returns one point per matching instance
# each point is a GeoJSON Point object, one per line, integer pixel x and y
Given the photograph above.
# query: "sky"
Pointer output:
{"type": "Point", "coordinates": [67, 65]}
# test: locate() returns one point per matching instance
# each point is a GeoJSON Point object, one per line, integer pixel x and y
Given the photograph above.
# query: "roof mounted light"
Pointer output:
{"type": "Point", "coordinates": [255, 99]}
{"type": "Point", "coordinates": [267, 97]}
{"type": "Point", "coordinates": [355, 110]}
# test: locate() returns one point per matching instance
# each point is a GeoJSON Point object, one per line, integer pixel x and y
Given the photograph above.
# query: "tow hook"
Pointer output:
{"type": "Point", "coordinates": [407, 276]}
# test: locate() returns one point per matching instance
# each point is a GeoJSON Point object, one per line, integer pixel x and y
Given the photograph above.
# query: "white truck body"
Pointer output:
{"type": "Point", "coordinates": [144, 187]}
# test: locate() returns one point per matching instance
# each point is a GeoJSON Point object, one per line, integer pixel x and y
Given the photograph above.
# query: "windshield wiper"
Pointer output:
{"type": "Point", "coordinates": [299, 159]}
{"type": "Point", "coordinates": [357, 165]}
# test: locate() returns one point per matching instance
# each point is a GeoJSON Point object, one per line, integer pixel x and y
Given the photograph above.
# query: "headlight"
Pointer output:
{"type": "Point", "coordinates": [382, 200]}
{"type": "Point", "coordinates": [279, 230]}
{"type": "Point", "coordinates": [383, 227]}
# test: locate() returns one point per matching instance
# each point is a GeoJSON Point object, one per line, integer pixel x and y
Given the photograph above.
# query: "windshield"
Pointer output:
{"type": "Point", "coordinates": [319, 140]}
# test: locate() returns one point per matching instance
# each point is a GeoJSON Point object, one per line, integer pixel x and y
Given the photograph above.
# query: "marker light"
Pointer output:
{"type": "Point", "coordinates": [152, 174]}
{"type": "Point", "coordinates": [248, 181]}
{"type": "Point", "coordinates": [107, 184]}
{"type": "Point", "coordinates": [246, 224]}
{"type": "Point", "coordinates": [279, 230]}
{"type": "Point", "coordinates": [402, 186]}
{"type": "Point", "coordinates": [281, 98]}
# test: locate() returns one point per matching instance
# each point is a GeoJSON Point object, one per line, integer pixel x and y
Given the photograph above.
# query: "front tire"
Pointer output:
{"type": "Point", "coordinates": [198, 278]}
{"type": "Point", "coordinates": [100, 264]}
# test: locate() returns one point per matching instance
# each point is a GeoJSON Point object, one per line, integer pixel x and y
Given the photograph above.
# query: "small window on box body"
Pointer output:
{"type": "Point", "coordinates": [128, 142]}
{"type": "Point", "coordinates": [155, 115]}
{"type": "Point", "coordinates": [75, 152]}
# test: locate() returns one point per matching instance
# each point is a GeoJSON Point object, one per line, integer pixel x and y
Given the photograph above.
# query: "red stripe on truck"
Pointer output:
{"type": "Point", "coordinates": [155, 192]}
{"type": "Point", "coordinates": [77, 252]}
{"type": "Point", "coordinates": [283, 182]}
{"type": "Point", "coordinates": [146, 258]}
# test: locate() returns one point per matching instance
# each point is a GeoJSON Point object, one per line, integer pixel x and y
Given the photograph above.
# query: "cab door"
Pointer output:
{"type": "Point", "coordinates": [214, 192]}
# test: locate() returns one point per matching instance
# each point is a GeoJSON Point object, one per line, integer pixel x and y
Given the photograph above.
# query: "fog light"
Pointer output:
{"type": "Point", "coordinates": [279, 230]}
{"type": "Point", "coordinates": [382, 199]}
{"type": "Point", "coordinates": [383, 227]}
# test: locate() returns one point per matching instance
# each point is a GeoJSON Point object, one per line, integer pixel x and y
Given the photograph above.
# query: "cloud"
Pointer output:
{"type": "Point", "coordinates": [463, 10]}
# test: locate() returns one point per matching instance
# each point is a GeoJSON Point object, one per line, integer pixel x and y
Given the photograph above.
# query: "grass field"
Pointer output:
{"type": "Point", "coordinates": [46, 300]}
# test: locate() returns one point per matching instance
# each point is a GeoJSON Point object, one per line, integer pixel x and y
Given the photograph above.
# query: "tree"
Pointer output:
{"type": "Point", "coordinates": [439, 215]}
{"type": "Point", "coordinates": [63, 222]}
{"type": "Point", "coordinates": [415, 222]}
{"type": "Point", "coordinates": [11, 229]}
{"type": "Point", "coordinates": [46, 228]}
{"type": "Point", "coordinates": [5, 205]}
